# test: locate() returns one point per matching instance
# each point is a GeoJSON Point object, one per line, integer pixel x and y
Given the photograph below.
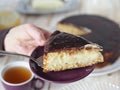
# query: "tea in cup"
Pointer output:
{"type": "Point", "coordinates": [18, 76]}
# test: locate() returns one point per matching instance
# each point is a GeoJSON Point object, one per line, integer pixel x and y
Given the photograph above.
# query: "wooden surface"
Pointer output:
{"type": "Point", "coordinates": [48, 22]}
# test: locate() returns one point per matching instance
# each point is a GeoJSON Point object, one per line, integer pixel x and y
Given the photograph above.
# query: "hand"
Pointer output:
{"type": "Point", "coordinates": [25, 38]}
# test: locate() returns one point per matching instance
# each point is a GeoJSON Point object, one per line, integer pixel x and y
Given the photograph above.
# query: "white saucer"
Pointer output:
{"type": "Point", "coordinates": [24, 7]}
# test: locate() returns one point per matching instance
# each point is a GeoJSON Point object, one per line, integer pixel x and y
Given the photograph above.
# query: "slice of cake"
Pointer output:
{"type": "Point", "coordinates": [66, 51]}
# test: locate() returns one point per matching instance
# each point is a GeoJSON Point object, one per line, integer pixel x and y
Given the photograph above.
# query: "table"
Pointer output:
{"type": "Point", "coordinates": [49, 22]}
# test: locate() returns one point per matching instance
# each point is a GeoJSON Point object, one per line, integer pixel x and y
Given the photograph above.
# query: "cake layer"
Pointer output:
{"type": "Point", "coordinates": [70, 29]}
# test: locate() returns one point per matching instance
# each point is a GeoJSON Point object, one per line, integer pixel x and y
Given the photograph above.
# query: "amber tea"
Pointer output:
{"type": "Point", "coordinates": [17, 75]}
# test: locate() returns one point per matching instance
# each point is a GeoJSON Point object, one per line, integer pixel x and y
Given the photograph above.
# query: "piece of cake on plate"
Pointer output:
{"type": "Point", "coordinates": [65, 51]}
{"type": "Point", "coordinates": [47, 4]}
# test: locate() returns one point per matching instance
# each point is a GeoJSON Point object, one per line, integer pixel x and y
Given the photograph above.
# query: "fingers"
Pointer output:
{"type": "Point", "coordinates": [25, 38]}
{"type": "Point", "coordinates": [38, 34]}
{"type": "Point", "coordinates": [45, 32]}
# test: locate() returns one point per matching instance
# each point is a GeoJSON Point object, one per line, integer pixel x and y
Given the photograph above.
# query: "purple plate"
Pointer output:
{"type": "Point", "coordinates": [66, 76]}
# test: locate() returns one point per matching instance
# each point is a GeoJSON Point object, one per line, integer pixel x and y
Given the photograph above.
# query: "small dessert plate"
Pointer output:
{"type": "Point", "coordinates": [25, 7]}
{"type": "Point", "coordinates": [66, 76]}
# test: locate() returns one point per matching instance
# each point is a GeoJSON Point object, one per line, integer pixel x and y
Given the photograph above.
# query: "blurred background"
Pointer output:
{"type": "Point", "coordinates": [47, 13]}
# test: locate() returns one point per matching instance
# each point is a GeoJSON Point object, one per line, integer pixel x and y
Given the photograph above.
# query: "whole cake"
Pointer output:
{"type": "Point", "coordinates": [66, 51]}
{"type": "Point", "coordinates": [97, 29]}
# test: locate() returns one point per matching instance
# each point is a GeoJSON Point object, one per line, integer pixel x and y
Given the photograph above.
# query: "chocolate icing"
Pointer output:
{"type": "Point", "coordinates": [104, 32]}
{"type": "Point", "coordinates": [60, 41]}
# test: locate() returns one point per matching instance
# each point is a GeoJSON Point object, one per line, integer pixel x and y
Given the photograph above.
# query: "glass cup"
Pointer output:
{"type": "Point", "coordinates": [9, 18]}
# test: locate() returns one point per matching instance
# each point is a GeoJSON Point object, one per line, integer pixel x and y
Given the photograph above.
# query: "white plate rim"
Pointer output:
{"type": "Point", "coordinates": [107, 69]}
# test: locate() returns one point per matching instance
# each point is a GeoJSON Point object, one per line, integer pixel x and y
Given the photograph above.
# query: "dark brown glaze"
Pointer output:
{"type": "Point", "coordinates": [60, 41]}
{"type": "Point", "coordinates": [104, 32]}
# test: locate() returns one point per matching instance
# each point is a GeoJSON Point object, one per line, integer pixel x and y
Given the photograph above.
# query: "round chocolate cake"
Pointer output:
{"type": "Point", "coordinates": [102, 31]}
